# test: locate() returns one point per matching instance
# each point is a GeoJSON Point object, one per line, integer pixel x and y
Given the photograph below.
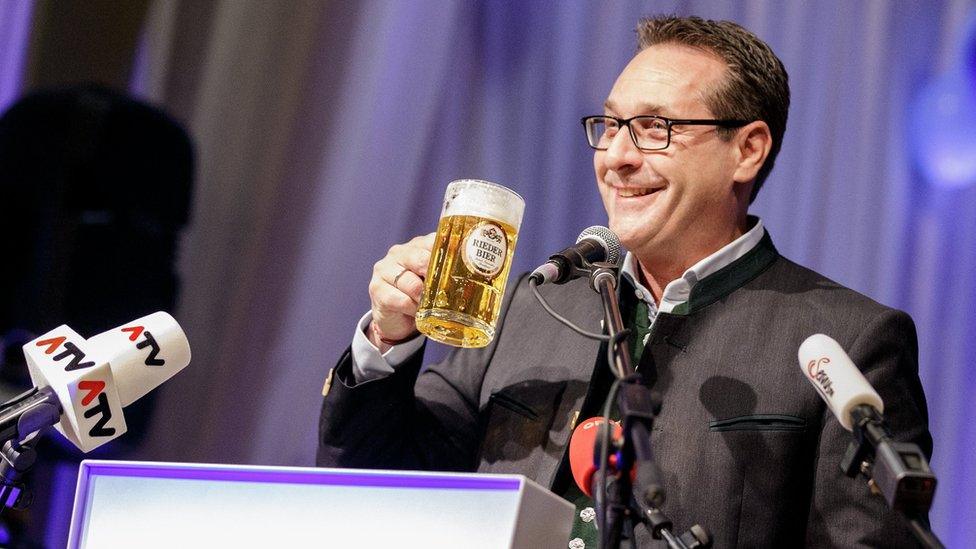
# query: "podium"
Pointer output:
{"type": "Point", "coordinates": [143, 504]}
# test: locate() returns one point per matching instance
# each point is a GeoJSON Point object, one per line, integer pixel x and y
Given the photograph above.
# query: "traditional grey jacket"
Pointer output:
{"type": "Point", "coordinates": [746, 446]}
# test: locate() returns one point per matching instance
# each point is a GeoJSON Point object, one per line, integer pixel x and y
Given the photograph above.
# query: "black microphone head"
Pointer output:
{"type": "Point", "coordinates": [606, 238]}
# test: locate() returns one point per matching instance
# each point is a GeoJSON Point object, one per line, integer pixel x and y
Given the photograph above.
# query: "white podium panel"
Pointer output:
{"type": "Point", "coordinates": [140, 504]}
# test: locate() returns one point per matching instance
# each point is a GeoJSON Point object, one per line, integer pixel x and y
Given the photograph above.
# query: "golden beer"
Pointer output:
{"type": "Point", "coordinates": [469, 263]}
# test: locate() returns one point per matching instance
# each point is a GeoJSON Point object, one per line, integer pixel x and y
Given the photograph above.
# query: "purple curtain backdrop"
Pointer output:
{"type": "Point", "coordinates": [327, 131]}
{"type": "Point", "coordinates": [15, 18]}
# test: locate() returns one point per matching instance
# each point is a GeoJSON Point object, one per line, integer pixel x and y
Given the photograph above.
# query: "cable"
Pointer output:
{"type": "Point", "coordinates": [604, 458]}
{"type": "Point", "coordinates": [5, 492]}
{"type": "Point", "coordinates": [612, 351]}
{"type": "Point", "coordinates": [569, 323]}
{"type": "Point", "coordinates": [613, 344]}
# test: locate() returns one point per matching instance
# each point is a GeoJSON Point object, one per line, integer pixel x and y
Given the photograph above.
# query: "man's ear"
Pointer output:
{"type": "Point", "coordinates": [752, 145]}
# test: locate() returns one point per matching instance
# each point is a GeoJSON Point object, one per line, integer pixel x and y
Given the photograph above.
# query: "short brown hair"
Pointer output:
{"type": "Point", "coordinates": [756, 86]}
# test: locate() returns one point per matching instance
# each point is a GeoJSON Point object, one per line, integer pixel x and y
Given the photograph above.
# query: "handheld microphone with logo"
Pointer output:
{"type": "Point", "coordinates": [82, 385]}
{"type": "Point", "coordinates": [842, 386]}
{"type": "Point", "coordinates": [594, 244]}
{"type": "Point", "coordinates": [584, 457]}
{"type": "Point", "coordinates": [900, 471]}
{"type": "Point", "coordinates": [583, 451]}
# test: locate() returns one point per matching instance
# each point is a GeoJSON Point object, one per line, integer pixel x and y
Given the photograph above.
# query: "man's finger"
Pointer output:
{"type": "Point", "coordinates": [391, 300]}
{"type": "Point", "coordinates": [409, 283]}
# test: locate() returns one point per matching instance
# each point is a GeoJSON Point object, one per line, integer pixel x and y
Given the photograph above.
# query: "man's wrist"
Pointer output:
{"type": "Point", "coordinates": [382, 343]}
{"type": "Point", "coordinates": [374, 359]}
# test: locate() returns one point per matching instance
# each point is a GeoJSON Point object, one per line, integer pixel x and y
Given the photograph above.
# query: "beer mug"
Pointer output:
{"type": "Point", "coordinates": [469, 263]}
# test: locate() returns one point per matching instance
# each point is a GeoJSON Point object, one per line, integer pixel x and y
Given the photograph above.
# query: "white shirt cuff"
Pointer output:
{"type": "Point", "coordinates": [368, 363]}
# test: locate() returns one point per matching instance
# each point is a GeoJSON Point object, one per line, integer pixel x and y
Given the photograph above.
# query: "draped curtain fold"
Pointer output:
{"type": "Point", "coordinates": [14, 29]}
{"type": "Point", "coordinates": [327, 131]}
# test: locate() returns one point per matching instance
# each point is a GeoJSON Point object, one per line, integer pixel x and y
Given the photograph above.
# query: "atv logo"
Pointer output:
{"type": "Point", "coordinates": [70, 350]}
{"type": "Point", "coordinates": [149, 341]}
{"type": "Point", "coordinates": [95, 390]}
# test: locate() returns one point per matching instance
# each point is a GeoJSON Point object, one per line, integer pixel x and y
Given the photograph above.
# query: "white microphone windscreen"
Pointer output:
{"type": "Point", "coordinates": [836, 378]}
{"type": "Point", "coordinates": [143, 353]}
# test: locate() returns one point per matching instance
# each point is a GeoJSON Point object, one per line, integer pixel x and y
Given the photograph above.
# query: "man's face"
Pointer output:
{"type": "Point", "coordinates": [678, 200]}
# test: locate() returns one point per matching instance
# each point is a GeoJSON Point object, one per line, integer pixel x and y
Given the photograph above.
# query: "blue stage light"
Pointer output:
{"type": "Point", "coordinates": [942, 121]}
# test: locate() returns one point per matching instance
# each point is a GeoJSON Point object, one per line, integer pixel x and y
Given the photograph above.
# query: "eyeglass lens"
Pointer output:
{"type": "Point", "coordinates": [648, 132]}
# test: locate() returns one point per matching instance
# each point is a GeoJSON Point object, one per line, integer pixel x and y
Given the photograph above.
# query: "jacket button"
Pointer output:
{"type": "Point", "coordinates": [588, 514]}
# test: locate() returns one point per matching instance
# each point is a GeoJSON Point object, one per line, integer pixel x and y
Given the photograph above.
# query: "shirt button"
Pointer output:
{"type": "Point", "coordinates": [588, 514]}
{"type": "Point", "coordinates": [639, 294]}
{"type": "Point", "coordinates": [576, 543]}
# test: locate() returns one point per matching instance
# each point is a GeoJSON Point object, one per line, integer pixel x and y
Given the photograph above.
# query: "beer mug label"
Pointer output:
{"type": "Point", "coordinates": [485, 248]}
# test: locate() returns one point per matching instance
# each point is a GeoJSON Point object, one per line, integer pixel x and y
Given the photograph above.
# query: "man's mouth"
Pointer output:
{"type": "Point", "coordinates": [634, 191]}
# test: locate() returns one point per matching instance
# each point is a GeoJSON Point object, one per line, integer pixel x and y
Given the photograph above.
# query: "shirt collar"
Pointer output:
{"type": "Point", "coordinates": [677, 291]}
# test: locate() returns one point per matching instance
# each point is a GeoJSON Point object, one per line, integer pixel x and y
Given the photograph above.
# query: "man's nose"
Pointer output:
{"type": "Point", "coordinates": [622, 152]}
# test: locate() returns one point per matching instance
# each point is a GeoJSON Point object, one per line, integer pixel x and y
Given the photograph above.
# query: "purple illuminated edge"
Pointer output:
{"type": "Point", "coordinates": [273, 475]}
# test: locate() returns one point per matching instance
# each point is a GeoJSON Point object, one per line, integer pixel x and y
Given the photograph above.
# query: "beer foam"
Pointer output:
{"type": "Point", "coordinates": [484, 199]}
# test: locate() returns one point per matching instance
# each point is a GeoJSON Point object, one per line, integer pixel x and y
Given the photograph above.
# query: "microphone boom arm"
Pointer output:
{"type": "Point", "coordinates": [21, 421]}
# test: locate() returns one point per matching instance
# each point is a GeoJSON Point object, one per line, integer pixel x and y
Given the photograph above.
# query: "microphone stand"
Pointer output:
{"type": "Point", "coordinates": [898, 471]}
{"type": "Point", "coordinates": [640, 501]}
{"type": "Point", "coordinates": [21, 421]}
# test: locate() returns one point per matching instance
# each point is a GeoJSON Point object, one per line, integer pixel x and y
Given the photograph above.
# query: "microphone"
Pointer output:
{"type": "Point", "coordinates": [900, 470]}
{"type": "Point", "coordinates": [593, 245]}
{"type": "Point", "coordinates": [584, 459]}
{"type": "Point", "coordinates": [82, 385]}
{"type": "Point", "coordinates": [583, 451]}
{"type": "Point", "coordinates": [832, 373]}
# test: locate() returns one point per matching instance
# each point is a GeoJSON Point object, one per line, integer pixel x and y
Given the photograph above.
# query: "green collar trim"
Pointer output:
{"type": "Point", "coordinates": [729, 278]}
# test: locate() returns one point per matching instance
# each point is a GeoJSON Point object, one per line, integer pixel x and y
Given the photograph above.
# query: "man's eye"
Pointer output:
{"type": "Point", "coordinates": [655, 124]}
{"type": "Point", "coordinates": [652, 127]}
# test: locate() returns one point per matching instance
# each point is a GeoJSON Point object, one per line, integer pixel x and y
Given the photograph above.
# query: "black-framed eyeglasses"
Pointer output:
{"type": "Point", "coordinates": [649, 132]}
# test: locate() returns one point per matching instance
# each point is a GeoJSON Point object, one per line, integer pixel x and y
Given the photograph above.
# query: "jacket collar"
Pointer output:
{"type": "Point", "coordinates": [729, 278]}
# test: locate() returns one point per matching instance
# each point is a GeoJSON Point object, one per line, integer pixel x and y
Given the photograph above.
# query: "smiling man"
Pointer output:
{"type": "Point", "coordinates": [677, 185]}
{"type": "Point", "coordinates": [747, 449]}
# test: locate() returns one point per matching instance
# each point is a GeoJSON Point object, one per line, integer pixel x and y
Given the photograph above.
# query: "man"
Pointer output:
{"type": "Point", "coordinates": [746, 447]}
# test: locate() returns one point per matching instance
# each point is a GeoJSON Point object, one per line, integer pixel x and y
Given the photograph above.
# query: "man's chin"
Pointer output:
{"type": "Point", "coordinates": [630, 238]}
{"type": "Point", "coordinates": [641, 240]}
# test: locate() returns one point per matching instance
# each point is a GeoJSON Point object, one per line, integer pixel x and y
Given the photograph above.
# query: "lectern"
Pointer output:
{"type": "Point", "coordinates": [140, 504]}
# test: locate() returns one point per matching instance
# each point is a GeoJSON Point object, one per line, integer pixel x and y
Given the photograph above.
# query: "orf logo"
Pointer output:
{"type": "Point", "coordinates": [599, 420]}
{"type": "Point", "coordinates": [593, 423]}
{"type": "Point", "coordinates": [821, 378]}
{"type": "Point", "coordinates": [95, 391]}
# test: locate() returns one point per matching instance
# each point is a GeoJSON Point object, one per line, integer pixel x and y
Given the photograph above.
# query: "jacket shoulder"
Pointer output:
{"type": "Point", "coordinates": [796, 282]}
{"type": "Point", "coordinates": [789, 294]}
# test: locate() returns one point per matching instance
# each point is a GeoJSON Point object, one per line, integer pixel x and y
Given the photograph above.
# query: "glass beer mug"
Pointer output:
{"type": "Point", "coordinates": [469, 263]}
